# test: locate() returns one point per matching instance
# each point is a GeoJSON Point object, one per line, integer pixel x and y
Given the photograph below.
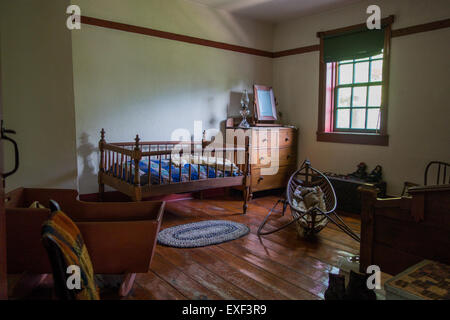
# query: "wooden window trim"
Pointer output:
{"type": "Point", "coordinates": [381, 138]}
{"type": "Point", "coordinates": [354, 138]}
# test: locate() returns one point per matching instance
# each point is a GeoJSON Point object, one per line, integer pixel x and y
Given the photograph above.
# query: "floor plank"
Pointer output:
{"type": "Point", "coordinates": [203, 276]}
{"type": "Point", "coordinates": [157, 287]}
{"type": "Point", "coordinates": [274, 282]}
{"type": "Point", "coordinates": [178, 279]}
{"type": "Point", "coordinates": [233, 275]}
{"type": "Point", "coordinates": [277, 269]}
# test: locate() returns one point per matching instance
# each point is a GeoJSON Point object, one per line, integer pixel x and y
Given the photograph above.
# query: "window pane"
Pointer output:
{"type": "Point", "coordinates": [375, 96]}
{"type": "Point", "coordinates": [343, 119]}
{"type": "Point", "coordinates": [377, 71]}
{"type": "Point", "coordinates": [359, 96]}
{"type": "Point", "coordinates": [362, 72]}
{"type": "Point", "coordinates": [358, 118]}
{"type": "Point", "coordinates": [344, 96]}
{"type": "Point", "coordinates": [346, 74]}
{"type": "Point", "coordinates": [373, 119]}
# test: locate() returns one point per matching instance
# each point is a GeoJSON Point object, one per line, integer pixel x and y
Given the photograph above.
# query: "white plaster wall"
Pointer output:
{"type": "Point", "coordinates": [134, 84]}
{"type": "Point", "coordinates": [37, 87]}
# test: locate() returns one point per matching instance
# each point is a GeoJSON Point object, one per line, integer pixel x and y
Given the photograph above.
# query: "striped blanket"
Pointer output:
{"type": "Point", "coordinates": [63, 232]}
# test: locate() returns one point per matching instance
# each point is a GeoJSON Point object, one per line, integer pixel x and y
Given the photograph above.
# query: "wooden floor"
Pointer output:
{"type": "Point", "coordinates": [278, 266]}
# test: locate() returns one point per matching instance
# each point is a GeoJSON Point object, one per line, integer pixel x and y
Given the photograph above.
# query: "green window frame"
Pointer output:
{"type": "Point", "coordinates": [359, 117]}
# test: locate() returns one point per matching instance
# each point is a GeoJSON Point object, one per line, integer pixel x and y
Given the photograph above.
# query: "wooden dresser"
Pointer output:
{"type": "Point", "coordinates": [273, 156]}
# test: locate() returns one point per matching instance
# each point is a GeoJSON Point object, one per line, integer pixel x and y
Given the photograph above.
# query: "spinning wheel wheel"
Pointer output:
{"type": "Point", "coordinates": [310, 220]}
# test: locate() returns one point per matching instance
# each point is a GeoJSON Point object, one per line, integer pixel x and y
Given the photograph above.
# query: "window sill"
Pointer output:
{"type": "Point", "coordinates": [354, 138]}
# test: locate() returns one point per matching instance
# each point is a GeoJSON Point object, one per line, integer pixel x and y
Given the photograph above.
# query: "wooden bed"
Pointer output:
{"type": "Point", "coordinates": [117, 172]}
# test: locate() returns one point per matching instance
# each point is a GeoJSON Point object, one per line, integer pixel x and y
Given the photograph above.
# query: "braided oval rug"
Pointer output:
{"type": "Point", "coordinates": [202, 234]}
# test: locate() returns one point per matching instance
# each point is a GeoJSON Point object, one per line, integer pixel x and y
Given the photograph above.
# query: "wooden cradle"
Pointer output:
{"type": "Point", "coordinates": [115, 169]}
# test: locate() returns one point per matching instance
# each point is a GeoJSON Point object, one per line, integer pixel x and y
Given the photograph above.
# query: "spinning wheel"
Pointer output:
{"type": "Point", "coordinates": [310, 220]}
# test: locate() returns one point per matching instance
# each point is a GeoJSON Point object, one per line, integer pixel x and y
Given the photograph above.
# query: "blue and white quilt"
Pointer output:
{"type": "Point", "coordinates": [165, 164]}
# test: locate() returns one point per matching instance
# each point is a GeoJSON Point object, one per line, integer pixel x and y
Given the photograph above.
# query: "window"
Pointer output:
{"type": "Point", "coordinates": [354, 72]}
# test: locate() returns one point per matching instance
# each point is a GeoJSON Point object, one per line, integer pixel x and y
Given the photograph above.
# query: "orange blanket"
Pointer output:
{"type": "Point", "coordinates": [62, 231]}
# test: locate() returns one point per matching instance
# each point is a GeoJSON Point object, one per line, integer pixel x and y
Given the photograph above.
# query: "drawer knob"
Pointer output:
{"type": "Point", "coordinates": [287, 139]}
{"type": "Point", "coordinates": [260, 179]}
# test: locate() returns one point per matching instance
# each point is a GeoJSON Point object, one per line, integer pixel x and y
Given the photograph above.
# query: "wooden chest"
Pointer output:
{"type": "Point", "coordinates": [273, 156]}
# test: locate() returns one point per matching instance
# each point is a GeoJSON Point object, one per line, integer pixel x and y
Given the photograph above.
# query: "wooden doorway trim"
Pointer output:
{"type": "Point", "coordinates": [3, 273]}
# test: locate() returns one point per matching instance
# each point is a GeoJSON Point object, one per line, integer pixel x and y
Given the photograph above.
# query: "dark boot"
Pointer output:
{"type": "Point", "coordinates": [357, 288]}
{"type": "Point", "coordinates": [336, 287]}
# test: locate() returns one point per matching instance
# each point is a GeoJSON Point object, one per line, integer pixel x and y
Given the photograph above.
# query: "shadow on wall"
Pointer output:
{"type": "Point", "coordinates": [212, 115]}
{"type": "Point", "coordinates": [88, 153]}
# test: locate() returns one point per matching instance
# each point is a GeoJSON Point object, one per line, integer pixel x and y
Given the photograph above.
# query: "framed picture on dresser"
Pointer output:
{"type": "Point", "coordinates": [265, 107]}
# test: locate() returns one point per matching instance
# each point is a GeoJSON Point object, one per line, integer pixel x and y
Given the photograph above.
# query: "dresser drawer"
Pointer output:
{"type": "Point", "coordinates": [264, 158]}
{"type": "Point", "coordinates": [273, 138]}
{"type": "Point", "coordinates": [266, 182]}
{"type": "Point", "coordinates": [287, 138]}
{"type": "Point", "coordinates": [262, 138]}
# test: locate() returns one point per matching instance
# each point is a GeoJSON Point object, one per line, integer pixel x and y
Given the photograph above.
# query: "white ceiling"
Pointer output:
{"type": "Point", "coordinates": [274, 11]}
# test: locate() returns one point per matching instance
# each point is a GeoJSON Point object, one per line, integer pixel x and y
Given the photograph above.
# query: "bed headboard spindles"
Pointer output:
{"type": "Point", "coordinates": [137, 155]}
{"type": "Point", "coordinates": [101, 146]}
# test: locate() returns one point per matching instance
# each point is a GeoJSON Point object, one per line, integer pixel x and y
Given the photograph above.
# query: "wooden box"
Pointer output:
{"type": "Point", "coordinates": [120, 237]}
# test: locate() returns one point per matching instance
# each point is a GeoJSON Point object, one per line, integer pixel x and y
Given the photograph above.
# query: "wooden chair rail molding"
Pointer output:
{"type": "Point", "coordinates": [241, 49]}
{"type": "Point", "coordinates": [173, 36]}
